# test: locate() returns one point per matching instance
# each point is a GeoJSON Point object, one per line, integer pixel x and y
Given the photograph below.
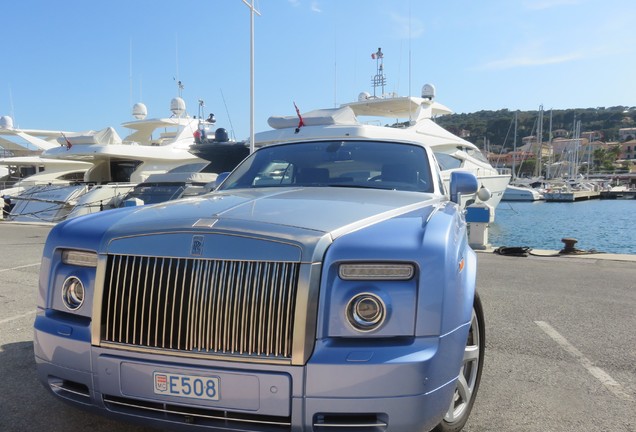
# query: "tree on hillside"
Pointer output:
{"type": "Point", "coordinates": [604, 158]}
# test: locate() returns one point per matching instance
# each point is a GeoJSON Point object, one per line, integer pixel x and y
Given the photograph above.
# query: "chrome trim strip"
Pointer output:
{"type": "Point", "coordinates": [196, 355]}
{"type": "Point", "coordinates": [305, 313]}
{"type": "Point", "coordinates": [62, 388]}
{"type": "Point", "coordinates": [98, 293]}
{"type": "Point", "coordinates": [349, 425]}
{"type": "Point", "coordinates": [190, 414]}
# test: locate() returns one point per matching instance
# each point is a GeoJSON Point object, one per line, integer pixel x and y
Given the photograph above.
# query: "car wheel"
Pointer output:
{"type": "Point", "coordinates": [470, 374]}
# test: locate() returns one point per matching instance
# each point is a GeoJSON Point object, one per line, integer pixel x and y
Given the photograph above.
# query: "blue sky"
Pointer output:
{"type": "Point", "coordinates": [78, 65]}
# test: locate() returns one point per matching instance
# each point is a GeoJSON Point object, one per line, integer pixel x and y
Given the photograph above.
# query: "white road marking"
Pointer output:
{"type": "Point", "coordinates": [17, 317]}
{"type": "Point", "coordinates": [595, 371]}
{"type": "Point", "coordinates": [19, 267]}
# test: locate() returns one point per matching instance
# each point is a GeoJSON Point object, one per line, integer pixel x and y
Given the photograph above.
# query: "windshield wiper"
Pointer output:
{"type": "Point", "coordinates": [358, 186]}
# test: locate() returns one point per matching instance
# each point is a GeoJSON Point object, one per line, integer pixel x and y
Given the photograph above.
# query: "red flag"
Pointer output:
{"type": "Point", "coordinates": [68, 143]}
{"type": "Point", "coordinates": [300, 118]}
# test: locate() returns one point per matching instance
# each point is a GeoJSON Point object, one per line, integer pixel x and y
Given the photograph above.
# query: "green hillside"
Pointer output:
{"type": "Point", "coordinates": [497, 127]}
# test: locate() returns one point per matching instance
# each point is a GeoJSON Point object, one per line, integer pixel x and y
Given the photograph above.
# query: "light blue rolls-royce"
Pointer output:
{"type": "Point", "coordinates": [324, 285]}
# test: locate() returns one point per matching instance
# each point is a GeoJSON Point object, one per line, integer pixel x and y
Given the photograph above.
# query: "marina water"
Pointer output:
{"type": "Point", "coordinates": [603, 225]}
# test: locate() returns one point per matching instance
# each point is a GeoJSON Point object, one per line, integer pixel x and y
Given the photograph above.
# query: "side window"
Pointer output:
{"type": "Point", "coordinates": [447, 162]}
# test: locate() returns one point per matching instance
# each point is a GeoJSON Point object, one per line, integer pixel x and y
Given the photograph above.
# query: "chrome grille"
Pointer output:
{"type": "Point", "coordinates": [200, 305]}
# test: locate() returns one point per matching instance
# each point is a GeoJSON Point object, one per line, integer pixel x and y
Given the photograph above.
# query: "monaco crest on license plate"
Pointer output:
{"type": "Point", "coordinates": [187, 386]}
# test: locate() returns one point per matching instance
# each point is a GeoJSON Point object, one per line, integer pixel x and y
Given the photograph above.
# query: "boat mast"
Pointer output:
{"type": "Point", "coordinates": [537, 166]}
{"type": "Point", "coordinates": [514, 148]}
{"type": "Point", "coordinates": [551, 149]}
{"type": "Point", "coordinates": [577, 146]}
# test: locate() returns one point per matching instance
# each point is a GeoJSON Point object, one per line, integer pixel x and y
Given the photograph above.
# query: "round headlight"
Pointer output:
{"type": "Point", "coordinates": [73, 293]}
{"type": "Point", "coordinates": [366, 312]}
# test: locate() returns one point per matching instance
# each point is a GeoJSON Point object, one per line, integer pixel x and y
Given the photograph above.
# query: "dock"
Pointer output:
{"type": "Point", "coordinates": [626, 194]}
{"type": "Point", "coordinates": [571, 196]}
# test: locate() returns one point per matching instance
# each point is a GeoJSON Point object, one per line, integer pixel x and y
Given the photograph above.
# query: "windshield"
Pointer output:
{"type": "Point", "coordinates": [153, 193]}
{"type": "Point", "coordinates": [367, 164]}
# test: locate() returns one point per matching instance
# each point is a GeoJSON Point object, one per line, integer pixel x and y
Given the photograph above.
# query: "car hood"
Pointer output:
{"type": "Point", "coordinates": [299, 215]}
{"type": "Point", "coordinates": [326, 210]}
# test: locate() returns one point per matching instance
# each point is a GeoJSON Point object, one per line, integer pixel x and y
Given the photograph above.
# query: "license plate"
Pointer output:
{"type": "Point", "coordinates": [187, 386]}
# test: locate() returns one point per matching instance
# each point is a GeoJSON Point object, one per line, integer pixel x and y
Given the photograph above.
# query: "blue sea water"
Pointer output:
{"type": "Point", "coordinates": [604, 225]}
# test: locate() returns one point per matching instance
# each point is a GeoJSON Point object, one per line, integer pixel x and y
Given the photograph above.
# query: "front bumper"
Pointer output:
{"type": "Point", "coordinates": [398, 386]}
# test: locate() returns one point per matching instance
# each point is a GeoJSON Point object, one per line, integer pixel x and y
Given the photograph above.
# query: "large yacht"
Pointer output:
{"type": "Point", "coordinates": [412, 117]}
{"type": "Point", "coordinates": [154, 146]}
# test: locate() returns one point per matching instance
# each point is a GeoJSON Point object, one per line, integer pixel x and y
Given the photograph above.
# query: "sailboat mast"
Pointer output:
{"type": "Point", "coordinates": [550, 155]}
{"type": "Point", "coordinates": [514, 148]}
{"type": "Point", "coordinates": [537, 166]}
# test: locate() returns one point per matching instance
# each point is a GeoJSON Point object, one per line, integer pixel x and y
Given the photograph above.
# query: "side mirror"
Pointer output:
{"type": "Point", "coordinates": [462, 183]}
{"type": "Point", "coordinates": [220, 179]}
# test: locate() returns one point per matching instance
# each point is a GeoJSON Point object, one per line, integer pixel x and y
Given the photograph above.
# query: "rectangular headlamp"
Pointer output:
{"type": "Point", "coordinates": [79, 258]}
{"type": "Point", "coordinates": [373, 271]}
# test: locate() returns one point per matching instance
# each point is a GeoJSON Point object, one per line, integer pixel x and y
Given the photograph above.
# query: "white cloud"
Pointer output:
{"type": "Point", "coordinates": [532, 53]}
{"type": "Point", "coordinates": [294, 3]}
{"type": "Point", "coordinates": [549, 4]}
{"type": "Point", "coordinates": [315, 7]}
{"type": "Point", "coordinates": [529, 61]}
{"type": "Point", "coordinates": [407, 27]}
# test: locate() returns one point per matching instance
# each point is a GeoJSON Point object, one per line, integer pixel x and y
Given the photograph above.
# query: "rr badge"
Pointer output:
{"type": "Point", "coordinates": [197, 245]}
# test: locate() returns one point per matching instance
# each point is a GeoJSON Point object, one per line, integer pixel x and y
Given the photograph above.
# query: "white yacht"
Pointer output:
{"type": "Point", "coordinates": [32, 140]}
{"type": "Point", "coordinates": [154, 146]}
{"type": "Point", "coordinates": [21, 165]}
{"type": "Point", "coordinates": [24, 172]}
{"type": "Point", "coordinates": [522, 193]}
{"type": "Point", "coordinates": [417, 114]}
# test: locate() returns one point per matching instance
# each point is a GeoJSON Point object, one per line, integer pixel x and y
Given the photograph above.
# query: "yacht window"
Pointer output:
{"type": "Point", "coordinates": [73, 176]}
{"type": "Point", "coordinates": [477, 154]}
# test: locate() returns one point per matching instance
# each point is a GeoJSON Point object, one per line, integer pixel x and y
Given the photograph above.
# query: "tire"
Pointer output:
{"type": "Point", "coordinates": [470, 374]}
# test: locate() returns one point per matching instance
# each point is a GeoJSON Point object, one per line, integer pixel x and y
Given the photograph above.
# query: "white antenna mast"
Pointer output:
{"type": "Point", "coordinates": [176, 53]}
{"type": "Point", "coordinates": [335, 65]}
{"type": "Point", "coordinates": [130, 84]}
{"type": "Point", "coordinates": [228, 114]}
{"type": "Point", "coordinates": [252, 12]}
{"type": "Point", "coordinates": [11, 110]}
{"type": "Point", "coordinates": [410, 40]}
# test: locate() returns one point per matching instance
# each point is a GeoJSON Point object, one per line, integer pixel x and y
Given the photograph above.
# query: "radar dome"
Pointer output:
{"type": "Point", "coordinates": [428, 91]}
{"type": "Point", "coordinates": [6, 122]}
{"type": "Point", "coordinates": [177, 106]}
{"type": "Point", "coordinates": [220, 135]}
{"type": "Point", "coordinates": [363, 96]}
{"type": "Point", "coordinates": [139, 111]}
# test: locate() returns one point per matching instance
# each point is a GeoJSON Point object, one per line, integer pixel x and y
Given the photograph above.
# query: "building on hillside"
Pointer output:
{"type": "Point", "coordinates": [628, 150]}
{"type": "Point", "coordinates": [626, 134]}
{"type": "Point", "coordinates": [592, 135]}
{"type": "Point", "coordinates": [510, 159]}
{"type": "Point", "coordinates": [530, 145]}
{"type": "Point", "coordinates": [563, 148]}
